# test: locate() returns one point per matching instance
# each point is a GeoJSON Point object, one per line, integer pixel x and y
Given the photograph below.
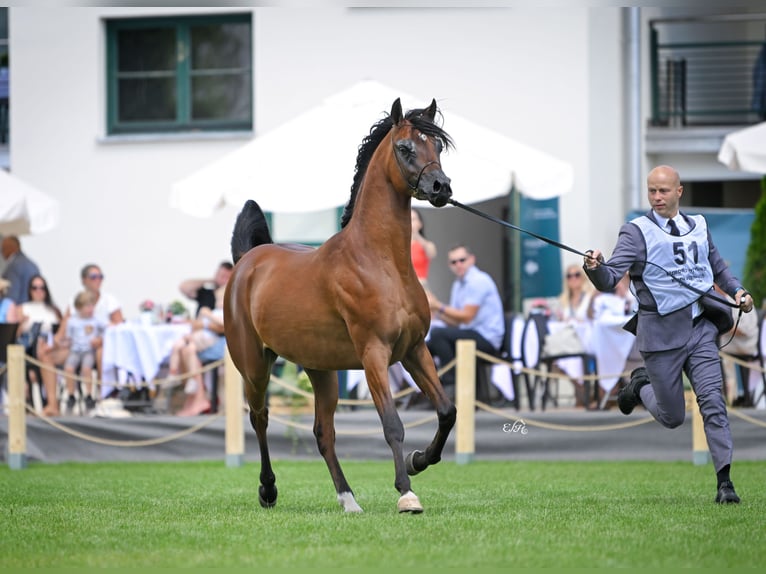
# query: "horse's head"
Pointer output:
{"type": "Point", "coordinates": [417, 146]}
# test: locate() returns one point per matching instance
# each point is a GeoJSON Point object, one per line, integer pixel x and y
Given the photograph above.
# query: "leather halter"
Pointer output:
{"type": "Point", "coordinates": [401, 169]}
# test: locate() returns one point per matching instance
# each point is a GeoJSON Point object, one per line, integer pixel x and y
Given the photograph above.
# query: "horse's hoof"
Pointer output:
{"type": "Point", "coordinates": [348, 502]}
{"type": "Point", "coordinates": [409, 502]}
{"type": "Point", "coordinates": [270, 502]}
{"type": "Point", "coordinates": [410, 463]}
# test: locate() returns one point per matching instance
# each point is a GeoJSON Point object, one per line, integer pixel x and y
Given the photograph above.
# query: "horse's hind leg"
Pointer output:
{"type": "Point", "coordinates": [325, 385]}
{"type": "Point", "coordinates": [420, 365]}
{"type": "Point", "coordinates": [256, 371]}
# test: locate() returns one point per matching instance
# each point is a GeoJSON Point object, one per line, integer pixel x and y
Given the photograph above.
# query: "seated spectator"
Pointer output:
{"type": "Point", "coordinates": [204, 344]}
{"type": "Point", "coordinates": [576, 295]}
{"type": "Point", "coordinates": [475, 311]}
{"type": "Point", "coordinates": [208, 292]}
{"type": "Point", "coordinates": [572, 307]}
{"type": "Point", "coordinates": [8, 309]}
{"type": "Point", "coordinates": [108, 309]}
{"type": "Point", "coordinates": [83, 334]}
{"type": "Point", "coordinates": [39, 316]}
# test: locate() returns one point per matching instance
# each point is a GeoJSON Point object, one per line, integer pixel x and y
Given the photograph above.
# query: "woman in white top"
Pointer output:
{"type": "Point", "coordinates": [40, 312]}
{"type": "Point", "coordinates": [576, 295]}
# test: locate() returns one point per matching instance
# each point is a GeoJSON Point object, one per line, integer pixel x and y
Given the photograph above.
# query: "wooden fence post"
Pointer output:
{"type": "Point", "coordinates": [465, 401]}
{"type": "Point", "coordinates": [17, 421]}
{"type": "Point", "coordinates": [235, 433]}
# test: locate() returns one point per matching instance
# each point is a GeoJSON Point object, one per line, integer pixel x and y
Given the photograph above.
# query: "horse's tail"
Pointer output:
{"type": "Point", "coordinates": [250, 229]}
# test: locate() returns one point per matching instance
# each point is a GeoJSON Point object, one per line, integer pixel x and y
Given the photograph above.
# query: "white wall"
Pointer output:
{"type": "Point", "coordinates": [535, 75]}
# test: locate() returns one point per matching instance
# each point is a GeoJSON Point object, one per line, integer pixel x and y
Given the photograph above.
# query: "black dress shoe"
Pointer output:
{"type": "Point", "coordinates": [726, 494]}
{"type": "Point", "coordinates": [628, 397]}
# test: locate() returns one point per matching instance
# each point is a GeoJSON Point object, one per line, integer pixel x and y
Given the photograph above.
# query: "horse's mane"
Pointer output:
{"type": "Point", "coordinates": [370, 143]}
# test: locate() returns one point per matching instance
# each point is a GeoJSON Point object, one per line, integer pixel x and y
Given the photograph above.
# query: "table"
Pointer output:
{"type": "Point", "coordinates": [137, 350]}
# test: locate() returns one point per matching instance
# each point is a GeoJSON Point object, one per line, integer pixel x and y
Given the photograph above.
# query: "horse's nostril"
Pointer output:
{"type": "Point", "coordinates": [437, 187]}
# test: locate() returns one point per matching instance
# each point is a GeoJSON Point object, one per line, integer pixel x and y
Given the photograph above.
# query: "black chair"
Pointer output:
{"type": "Point", "coordinates": [535, 331]}
{"type": "Point", "coordinates": [7, 337]}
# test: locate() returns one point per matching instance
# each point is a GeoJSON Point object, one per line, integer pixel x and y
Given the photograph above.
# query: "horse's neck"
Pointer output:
{"type": "Point", "coordinates": [381, 216]}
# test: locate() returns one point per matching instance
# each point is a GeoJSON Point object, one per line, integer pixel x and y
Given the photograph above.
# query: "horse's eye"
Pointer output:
{"type": "Point", "coordinates": [439, 145]}
{"type": "Point", "coordinates": [405, 148]}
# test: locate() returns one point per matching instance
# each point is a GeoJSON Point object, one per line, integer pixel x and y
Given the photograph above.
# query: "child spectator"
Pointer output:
{"type": "Point", "coordinates": [83, 332]}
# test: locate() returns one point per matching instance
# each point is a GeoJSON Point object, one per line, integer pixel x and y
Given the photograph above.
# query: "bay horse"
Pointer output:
{"type": "Point", "coordinates": [354, 302]}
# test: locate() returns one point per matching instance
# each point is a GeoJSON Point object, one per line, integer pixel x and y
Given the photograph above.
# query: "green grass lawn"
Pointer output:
{"type": "Point", "coordinates": [481, 514]}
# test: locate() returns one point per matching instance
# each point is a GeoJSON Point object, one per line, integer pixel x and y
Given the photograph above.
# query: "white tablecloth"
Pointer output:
{"type": "Point", "coordinates": [612, 345]}
{"type": "Point", "coordinates": [608, 341]}
{"type": "Point", "coordinates": [137, 350]}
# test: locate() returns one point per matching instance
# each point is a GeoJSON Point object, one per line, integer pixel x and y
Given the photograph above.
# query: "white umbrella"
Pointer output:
{"type": "Point", "coordinates": [307, 164]}
{"type": "Point", "coordinates": [745, 149]}
{"type": "Point", "coordinates": [25, 209]}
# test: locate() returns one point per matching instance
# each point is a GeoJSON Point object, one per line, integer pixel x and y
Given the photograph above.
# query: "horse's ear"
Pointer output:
{"type": "Point", "coordinates": [431, 110]}
{"type": "Point", "coordinates": [396, 111]}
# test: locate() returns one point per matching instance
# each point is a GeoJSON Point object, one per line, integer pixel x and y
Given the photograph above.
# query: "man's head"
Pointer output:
{"type": "Point", "coordinates": [460, 260]}
{"type": "Point", "coordinates": [223, 273]}
{"type": "Point", "coordinates": [664, 190]}
{"type": "Point", "coordinates": [10, 246]}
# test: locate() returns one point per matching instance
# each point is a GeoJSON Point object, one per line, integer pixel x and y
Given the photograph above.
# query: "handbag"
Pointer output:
{"type": "Point", "coordinates": [717, 313]}
{"type": "Point", "coordinates": [564, 341]}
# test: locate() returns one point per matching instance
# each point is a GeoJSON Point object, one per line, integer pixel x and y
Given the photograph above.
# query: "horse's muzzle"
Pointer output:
{"type": "Point", "coordinates": [437, 188]}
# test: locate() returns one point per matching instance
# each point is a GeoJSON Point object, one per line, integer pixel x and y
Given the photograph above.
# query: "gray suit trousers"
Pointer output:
{"type": "Point", "coordinates": [664, 397]}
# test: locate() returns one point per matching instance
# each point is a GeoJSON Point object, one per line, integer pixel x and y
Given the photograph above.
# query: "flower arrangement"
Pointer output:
{"type": "Point", "coordinates": [176, 308]}
{"type": "Point", "coordinates": [147, 305]}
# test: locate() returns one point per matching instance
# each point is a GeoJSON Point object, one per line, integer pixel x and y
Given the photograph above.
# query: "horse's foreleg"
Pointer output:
{"type": "Point", "coordinates": [376, 372]}
{"type": "Point", "coordinates": [420, 365]}
{"type": "Point", "coordinates": [325, 384]}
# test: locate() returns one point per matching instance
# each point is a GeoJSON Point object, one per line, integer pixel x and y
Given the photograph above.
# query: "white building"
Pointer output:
{"type": "Point", "coordinates": [556, 79]}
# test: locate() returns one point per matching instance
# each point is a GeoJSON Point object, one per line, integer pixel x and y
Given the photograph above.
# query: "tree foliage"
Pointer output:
{"type": "Point", "coordinates": [754, 278]}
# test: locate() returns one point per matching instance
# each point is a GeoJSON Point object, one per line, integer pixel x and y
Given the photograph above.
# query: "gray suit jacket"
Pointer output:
{"type": "Point", "coordinates": [19, 272]}
{"type": "Point", "coordinates": [656, 332]}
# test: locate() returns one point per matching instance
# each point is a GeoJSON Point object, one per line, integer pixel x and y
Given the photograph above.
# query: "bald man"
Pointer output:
{"type": "Point", "coordinates": [19, 269]}
{"type": "Point", "coordinates": [673, 264]}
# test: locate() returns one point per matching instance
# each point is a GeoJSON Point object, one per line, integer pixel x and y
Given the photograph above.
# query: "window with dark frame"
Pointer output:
{"type": "Point", "coordinates": [181, 74]}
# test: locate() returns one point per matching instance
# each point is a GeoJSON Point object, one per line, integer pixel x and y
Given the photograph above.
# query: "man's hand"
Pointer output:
{"type": "Point", "coordinates": [744, 300]}
{"type": "Point", "coordinates": [593, 258]}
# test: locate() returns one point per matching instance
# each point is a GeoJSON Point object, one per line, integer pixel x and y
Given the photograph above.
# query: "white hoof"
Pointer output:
{"type": "Point", "coordinates": [409, 502]}
{"type": "Point", "coordinates": [347, 501]}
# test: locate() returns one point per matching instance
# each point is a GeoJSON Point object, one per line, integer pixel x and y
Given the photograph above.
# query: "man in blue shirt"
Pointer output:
{"type": "Point", "coordinates": [475, 311]}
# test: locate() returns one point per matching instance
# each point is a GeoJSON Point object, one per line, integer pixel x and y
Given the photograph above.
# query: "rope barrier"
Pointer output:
{"type": "Point", "coordinates": [574, 428]}
{"type": "Point", "coordinates": [173, 380]}
{"type": "Point", "coordinates": [360, 432]}
{"type": "Point", "coordinates": [124, 443]}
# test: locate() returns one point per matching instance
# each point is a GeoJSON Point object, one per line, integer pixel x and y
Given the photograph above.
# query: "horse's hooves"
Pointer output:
{"type": "Point", "coordinates": [410, 463]}
{"type": "Point", "coordinates": [348, 502]}
{"type": "Point", "coordinates": [271, 502]}
{"type": "Point", "coordinates": [409, 502]}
